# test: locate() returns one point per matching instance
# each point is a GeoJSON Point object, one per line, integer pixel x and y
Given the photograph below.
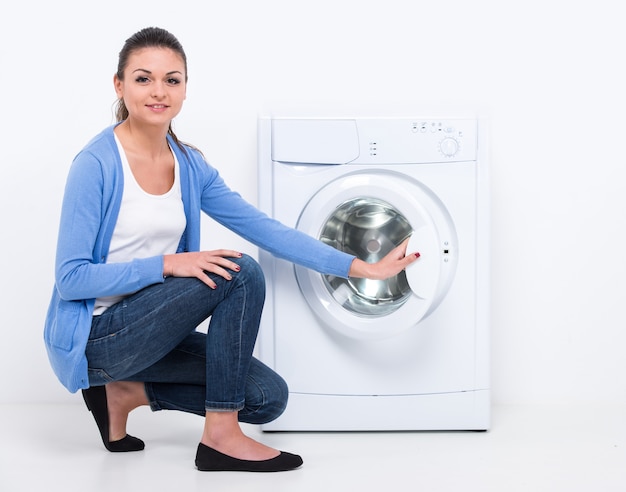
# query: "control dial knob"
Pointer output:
{"type": "Point", "coordinates": [449, 146]}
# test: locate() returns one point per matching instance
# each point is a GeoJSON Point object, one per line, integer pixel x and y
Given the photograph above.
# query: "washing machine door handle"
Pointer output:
{"type": "Point", "coordinates": [424, 274]}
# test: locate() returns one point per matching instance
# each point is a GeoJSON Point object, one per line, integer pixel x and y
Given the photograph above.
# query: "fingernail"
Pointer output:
{"type": "Point", "coordinates": [417, 255]}
{"type": "Point", "coordinates": [237, 268]}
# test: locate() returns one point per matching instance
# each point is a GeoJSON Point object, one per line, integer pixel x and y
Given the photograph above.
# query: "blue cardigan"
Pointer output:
{"type": "Point", "coordinates": [91, 204]}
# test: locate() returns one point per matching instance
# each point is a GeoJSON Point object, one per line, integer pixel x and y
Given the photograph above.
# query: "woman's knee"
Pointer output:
{"type": "Point", "coordinates": [251, 272]}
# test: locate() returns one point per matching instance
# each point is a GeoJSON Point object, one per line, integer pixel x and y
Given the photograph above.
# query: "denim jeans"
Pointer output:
{"type": "Point", "coordinates": [151, 337]}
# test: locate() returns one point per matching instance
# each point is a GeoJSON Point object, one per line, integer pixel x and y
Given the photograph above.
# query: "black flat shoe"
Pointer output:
{"type": "Point", "coordinates": [208, 459]}
{"type": "Point", "coordinates": [96, 401]}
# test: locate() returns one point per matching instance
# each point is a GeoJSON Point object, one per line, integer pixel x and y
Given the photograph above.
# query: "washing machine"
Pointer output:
{"type": "Point", "coordinates": [407, 353]}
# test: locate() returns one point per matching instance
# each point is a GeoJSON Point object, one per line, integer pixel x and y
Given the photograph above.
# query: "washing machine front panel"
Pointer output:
{"type": "Point", "coordinates": [436, 354]}
{"type": "Point", "coordinates": [367, 214]}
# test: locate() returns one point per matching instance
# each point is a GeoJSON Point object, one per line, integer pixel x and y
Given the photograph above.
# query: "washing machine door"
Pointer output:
{"type": "Point", "coordinates": [367, 214]}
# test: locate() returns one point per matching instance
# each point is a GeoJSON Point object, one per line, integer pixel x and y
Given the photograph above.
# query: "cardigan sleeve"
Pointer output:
{"type": "Point", "coordinates": [228, 208]}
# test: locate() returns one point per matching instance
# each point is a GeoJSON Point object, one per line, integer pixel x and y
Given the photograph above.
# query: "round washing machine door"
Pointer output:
{"type": "Point", "coordinates": [367, 214]}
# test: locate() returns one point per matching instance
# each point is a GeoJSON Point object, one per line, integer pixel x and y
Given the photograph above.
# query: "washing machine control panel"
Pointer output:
{"type": "Point", "coordinates": [374, 141]}
{"type": "Point", "coordinates": [417, 141]}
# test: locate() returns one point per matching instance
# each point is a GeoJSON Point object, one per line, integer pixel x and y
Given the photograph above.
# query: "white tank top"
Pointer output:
{"type": "Point", "coordinates": [147, 225]}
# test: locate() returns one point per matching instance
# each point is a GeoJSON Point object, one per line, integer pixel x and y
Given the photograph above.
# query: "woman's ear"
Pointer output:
{"type": "Point", "coordinates": [119, 86]}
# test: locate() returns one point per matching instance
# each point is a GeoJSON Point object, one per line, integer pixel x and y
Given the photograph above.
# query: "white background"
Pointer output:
{"type": "Point", "coordinates": [549, 76]}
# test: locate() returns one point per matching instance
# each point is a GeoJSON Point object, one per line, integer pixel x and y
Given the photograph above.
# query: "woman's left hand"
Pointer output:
{"type": "Point", "coordinates": [393, 263]}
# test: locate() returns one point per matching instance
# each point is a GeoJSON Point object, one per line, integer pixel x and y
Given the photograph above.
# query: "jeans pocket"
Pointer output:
{"type": "Point", "coordinates": [98, 377]}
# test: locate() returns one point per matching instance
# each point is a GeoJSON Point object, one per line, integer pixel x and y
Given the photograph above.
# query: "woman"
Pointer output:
{"type": "Point", "coordinates": [132, 284]}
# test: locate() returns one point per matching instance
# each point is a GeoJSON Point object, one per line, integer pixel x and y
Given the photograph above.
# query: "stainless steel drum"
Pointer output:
{"type": "Point", "coordinates": [368, 228]}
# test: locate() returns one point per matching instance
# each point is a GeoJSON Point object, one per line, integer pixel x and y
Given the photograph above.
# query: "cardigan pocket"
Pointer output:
{"type": "Point", "coordinates": [62, 327]}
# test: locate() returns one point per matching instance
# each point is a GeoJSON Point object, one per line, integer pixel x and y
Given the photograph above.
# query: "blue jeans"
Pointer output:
{"type": "Point", "coordinates": [151, 337]}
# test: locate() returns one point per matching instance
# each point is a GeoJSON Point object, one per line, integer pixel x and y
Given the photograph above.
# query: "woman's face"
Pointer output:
{"type": "Point", "coordinates": [154, 86]}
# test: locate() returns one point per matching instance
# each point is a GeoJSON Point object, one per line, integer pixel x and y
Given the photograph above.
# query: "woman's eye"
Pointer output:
{"type": "Point", "coordinates": [173, 81]}
{"type": "Point", "coordinates": [141, 79]}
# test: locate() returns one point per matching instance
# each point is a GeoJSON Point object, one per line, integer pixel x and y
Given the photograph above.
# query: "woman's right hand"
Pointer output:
{"type": "Point", "coordinates": [198, 264]}
{"type": "Point", "coordinates": [393, 263]}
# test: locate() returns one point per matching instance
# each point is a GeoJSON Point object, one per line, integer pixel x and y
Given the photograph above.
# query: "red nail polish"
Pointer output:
{"type": "Point", "coordinates": [417, 255]}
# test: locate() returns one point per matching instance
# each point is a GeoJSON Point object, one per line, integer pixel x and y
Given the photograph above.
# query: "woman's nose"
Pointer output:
{"type": "Point", "coordinates": [158, 90]}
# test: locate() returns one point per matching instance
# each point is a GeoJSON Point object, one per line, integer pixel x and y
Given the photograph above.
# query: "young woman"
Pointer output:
{"type": "Point", "coordinates": [132, 284]}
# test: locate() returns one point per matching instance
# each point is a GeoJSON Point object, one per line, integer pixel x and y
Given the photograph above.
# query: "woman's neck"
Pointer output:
{"type": "Point", "coordinates": [150, 141]}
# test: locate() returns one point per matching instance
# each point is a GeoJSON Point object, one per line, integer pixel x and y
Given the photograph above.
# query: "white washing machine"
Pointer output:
{"type": "Point", "coordinates": [408, 353]}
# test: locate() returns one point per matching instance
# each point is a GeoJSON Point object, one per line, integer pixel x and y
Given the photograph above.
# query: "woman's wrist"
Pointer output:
{"type": "Point", "coordinates": [360, 269]}
{"type": "Point", "coordinates": [167, 268]}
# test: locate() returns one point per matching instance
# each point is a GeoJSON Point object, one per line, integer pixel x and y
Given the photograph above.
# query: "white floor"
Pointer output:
{"type": "Point", "coordinates": [528, 449]}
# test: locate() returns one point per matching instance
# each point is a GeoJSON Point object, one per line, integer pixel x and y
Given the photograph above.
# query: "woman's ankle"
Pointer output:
{"type": "Point", "coordinates": [122, 398]}
{"type": "Point", "coordinates": [223, 433]}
